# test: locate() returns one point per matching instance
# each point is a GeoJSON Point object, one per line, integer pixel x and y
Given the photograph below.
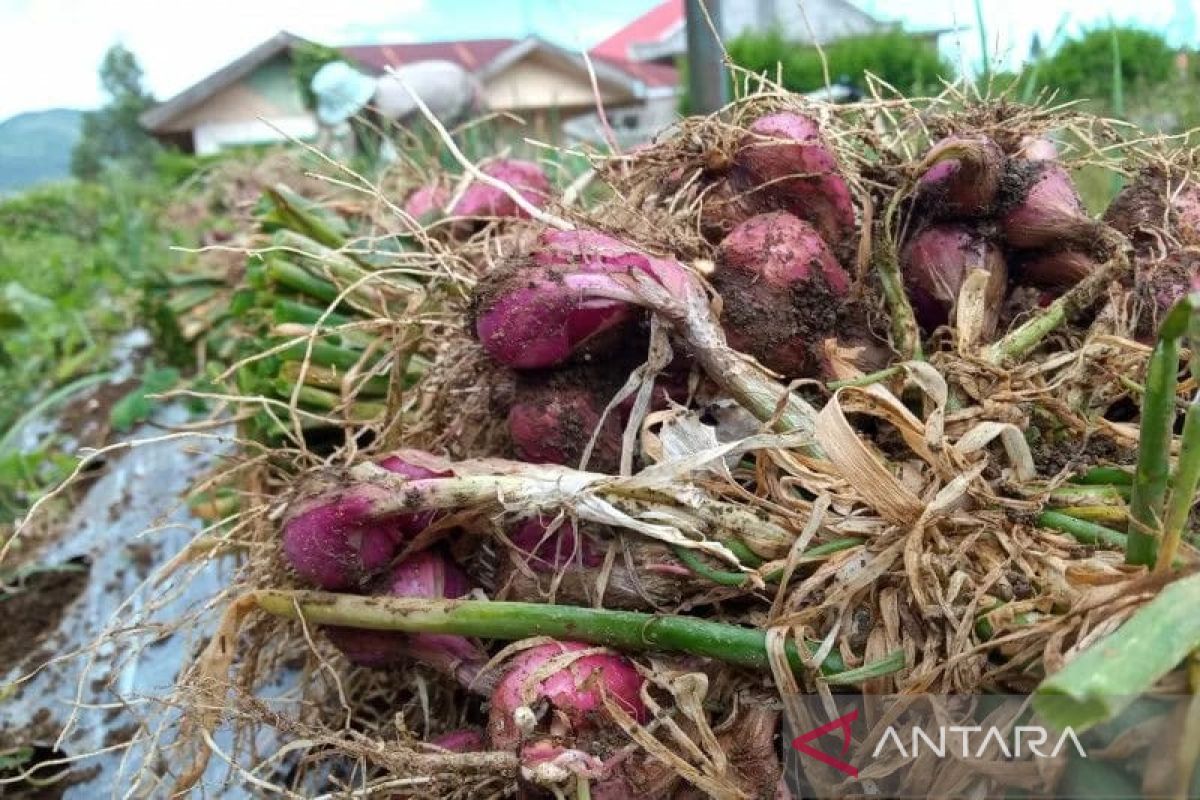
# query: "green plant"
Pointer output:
{"type": "Point", "coordinates": [114, 133]}
{"type": "Point", "coordinates": [1087, 66]}
{"type": "Point", "coordinates": [907, 62]}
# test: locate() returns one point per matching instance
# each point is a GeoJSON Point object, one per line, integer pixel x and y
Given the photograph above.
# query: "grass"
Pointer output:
{"type": "Point", "coordinates": [75, 259]}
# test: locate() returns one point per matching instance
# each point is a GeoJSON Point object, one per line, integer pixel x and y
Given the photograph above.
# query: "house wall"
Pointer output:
{"type": "Point", "coordinates": [535, 83]}
{"type": "Point", "coordinates": [236, 114]}
{"type": "Point", "coordinates": [210, 137]}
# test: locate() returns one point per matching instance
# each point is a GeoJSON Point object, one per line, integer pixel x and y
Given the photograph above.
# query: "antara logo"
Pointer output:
{"type": "Point", "coordinates": [801, 743]}
{"type": "Point", "coordinates": [973, 741]}
{"type": "Point", "coordinates": [1027, 741]}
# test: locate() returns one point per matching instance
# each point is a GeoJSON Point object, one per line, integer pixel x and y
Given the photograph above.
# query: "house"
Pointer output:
{"type": "Point", "coordinates": [256, 99]}
{"type": "Point", "coordinates": [659, 36]}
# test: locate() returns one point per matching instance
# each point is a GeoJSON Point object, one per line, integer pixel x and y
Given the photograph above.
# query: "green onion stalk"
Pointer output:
{"type": "Point", "coordinates": [1187, 470]}
{"type": "Point", "coordinates": [1074, 302]}
{"type": "Point", "coordinates": [1154, 441]}
{"type": "Point", "coordinates": [628, 631]}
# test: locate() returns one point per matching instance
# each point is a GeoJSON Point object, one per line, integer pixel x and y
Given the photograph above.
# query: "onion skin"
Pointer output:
{"type": "Point", "coordinates": [783, 164]}
{"type": "Point", "coordinates": [960, 177]}
{"type": "Point", "coordinates": [1049, 214]}
{"type": "Point", "coordinates": [936, 262]}
{"type": "Point", "coordinates": [481, 200]}
{"type": "Point", "coordinates": [540, 311]}
{"type": "Point", "coordinates": [425, 574]}
{"type": "Point", "coordinates": [781, 288]}
{"type": "Point", "coordinates": [567, 691]}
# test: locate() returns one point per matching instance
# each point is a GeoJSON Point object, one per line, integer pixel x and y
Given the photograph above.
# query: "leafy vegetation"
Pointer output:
{"type": "Point", "coordinates": [113, 133]}
{"type": "Point", "coordinates": [1084, 67]}
{"type": "Point", "coordinates": [76, 260]}
{"type": "Point", "coordinates": [907, 62]}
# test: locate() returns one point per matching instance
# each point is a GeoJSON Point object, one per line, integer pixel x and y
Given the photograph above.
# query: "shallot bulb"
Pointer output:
{"type": "Point", "coordinates": [936, 263]}
{"type": "Point", "coordinates": [552, 424]}
{"type": "Point", "coordinates": [482, 200]}
{"type": "Point", "coordinates": [426, 202]}
{"type": "Point", "coordinates": [1048, 213]}
{"type": "Point", "coordinates": [781, 288]}
{"type": "Point", "coordinates": [549, 545]}
{"type": "Point", "coordinates": [541, 310]}
{"type": "Point", "coordinates": [464, 740]}
{"type": "Point", "coordinates": [783, 164]}
{"type": "Point", "coordinates": [551, 678]}
{"type": "Point", "coordinates": [960, 177]}
{"type": "Point", "coordinates": [1156, 203]}
{"type": "Point", "coordinates": [427, 574]}
{"type": "Point", "coordinates": [334, 540]}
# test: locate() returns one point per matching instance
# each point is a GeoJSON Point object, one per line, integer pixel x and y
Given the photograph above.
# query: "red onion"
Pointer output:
{"type": "Point", "coordinates": [570, 694]}
{"type": "Point", "coordinates": [549, 550]}
{"type": "Point", "coordinates": [426, 202]}
{"type": "Point", "coordinates": [960, 176]}
{"type": "Point", "coordinates": [781, 288]}
{"type": "Point", "coordinates": [333, 542]}
{"type": "Point", "coordinates": [1059, 269]}
{"type": "Point", "coordinates": [1155, 201]}
{"type": "Point", "coordinates": [783, 164]}
{"type": "Point", "coordinates": [332, 539]}
{"type": "Point", "coordinates": [553, 425]}
{"type": "Point", "coordinates": [538, 312]}
{"type": "Point", "coordinates": [426, 574]}
{"type": "Point", "coordinates": [481, 200]}
{"type": "Point", "coordinates": [1049, 213]}
{"type": "Point", "coordinates": [936, 263]}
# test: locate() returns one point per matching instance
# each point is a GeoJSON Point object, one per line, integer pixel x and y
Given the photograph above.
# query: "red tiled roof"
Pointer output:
{"type": "Point", "coordinates": [655, 25]}
{"type": "Point", "coordinates": [649, 73]}
{"type": "Point", "coordinates": [471, 54]}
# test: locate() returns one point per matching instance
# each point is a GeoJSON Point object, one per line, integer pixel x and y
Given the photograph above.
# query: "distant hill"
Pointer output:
{"type": "Point", "coordinates": [36, 147]}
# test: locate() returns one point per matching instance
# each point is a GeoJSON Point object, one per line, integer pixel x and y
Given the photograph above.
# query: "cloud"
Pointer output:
{"type": "Point", "coordinates": [54, 47]}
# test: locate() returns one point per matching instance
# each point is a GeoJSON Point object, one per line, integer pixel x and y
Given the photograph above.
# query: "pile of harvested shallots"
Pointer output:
{"type": "Point", "coordinates": [568, 485]}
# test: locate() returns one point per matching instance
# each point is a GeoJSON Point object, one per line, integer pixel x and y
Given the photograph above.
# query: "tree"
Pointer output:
{"type": "Point", "coordinates": [113, 132]}
{"type": "Point", "coordinates": [907, 62]}
{"type": "Point", "coordinates": [1083, 67]}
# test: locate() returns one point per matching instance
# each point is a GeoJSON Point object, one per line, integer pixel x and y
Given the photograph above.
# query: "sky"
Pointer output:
{"type": "Point", "coordinates": [50, 49]}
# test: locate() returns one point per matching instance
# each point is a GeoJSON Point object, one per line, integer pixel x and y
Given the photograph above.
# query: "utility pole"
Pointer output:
{"type": "Point", "coordinates": [707, 84]}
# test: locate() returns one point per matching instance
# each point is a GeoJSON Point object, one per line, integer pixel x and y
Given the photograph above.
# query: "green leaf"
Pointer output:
{"type": "Point", "coordinates": [1104, 679]}
{"type": "Point", "coordinates": [14, 757]}
{"type": "Point", "coordinates": [137, 406]}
